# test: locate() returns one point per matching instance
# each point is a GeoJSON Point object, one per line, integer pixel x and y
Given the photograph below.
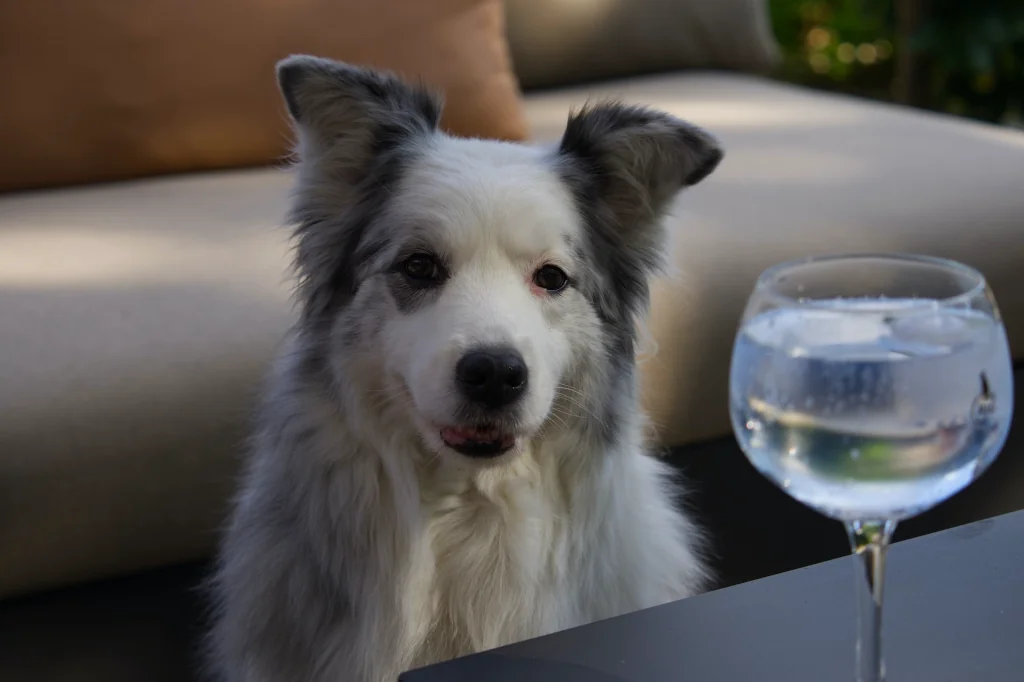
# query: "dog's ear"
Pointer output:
{"type": "Point", "coordinates": [635, 159]}
{"type": "Point", "coordinates": [624, 166]}
{"type": "Point", "coordinates": [355, 111]}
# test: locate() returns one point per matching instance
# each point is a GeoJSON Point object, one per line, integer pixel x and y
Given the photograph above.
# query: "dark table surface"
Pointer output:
{"type": "Point", "coordinates": [954, 612]}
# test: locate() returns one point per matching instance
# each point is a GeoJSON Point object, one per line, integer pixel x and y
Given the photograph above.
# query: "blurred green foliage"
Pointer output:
{"type": "Point", "coordinates": [968, 56]}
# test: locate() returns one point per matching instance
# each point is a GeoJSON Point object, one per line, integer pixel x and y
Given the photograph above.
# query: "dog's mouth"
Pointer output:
{"type": "Point", "coordinates": [477, 442]}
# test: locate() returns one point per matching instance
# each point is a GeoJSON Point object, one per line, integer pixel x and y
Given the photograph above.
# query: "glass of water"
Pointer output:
{"type": "Point", "coordinates": [871, 388]}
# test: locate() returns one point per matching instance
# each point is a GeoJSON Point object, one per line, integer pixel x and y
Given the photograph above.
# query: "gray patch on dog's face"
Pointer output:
{"type": "Point", "coordinates": [408, 297]}
{"type": "Point", "coordinates": [358, 130]}
{"type": "Point", "coordinates": [624, 166]}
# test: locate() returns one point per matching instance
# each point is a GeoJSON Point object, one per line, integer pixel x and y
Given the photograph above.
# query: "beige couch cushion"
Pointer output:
{"type": "Point", "coordinates": [135, 323]}
{"type": "Point", "coordinates": [555, 42]}
{"type": "Point", "coordinates": [136, 319]}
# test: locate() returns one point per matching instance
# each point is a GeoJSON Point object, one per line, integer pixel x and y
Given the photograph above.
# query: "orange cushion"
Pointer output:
{"type": "Point", "coordinates": [102, 90]}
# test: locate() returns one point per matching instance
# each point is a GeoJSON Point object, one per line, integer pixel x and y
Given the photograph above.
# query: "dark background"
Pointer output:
{"type": "Point", "coordinates": [954, 56]}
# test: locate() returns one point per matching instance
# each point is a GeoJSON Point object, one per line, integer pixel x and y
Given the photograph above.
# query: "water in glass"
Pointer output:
{"type": "Point", "coordinates": [874, 414]}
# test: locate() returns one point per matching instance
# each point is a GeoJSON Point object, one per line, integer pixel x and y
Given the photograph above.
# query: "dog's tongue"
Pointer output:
{"type": "Point", "coordinates": [454, 435]}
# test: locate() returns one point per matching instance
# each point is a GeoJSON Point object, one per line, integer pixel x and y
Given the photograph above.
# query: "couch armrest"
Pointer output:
{"type": "Point", "coordinates": [559, 42]}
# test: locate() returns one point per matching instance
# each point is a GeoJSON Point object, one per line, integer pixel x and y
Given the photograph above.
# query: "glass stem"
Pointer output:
{"type": "Point", "coordinates": [870, 540]}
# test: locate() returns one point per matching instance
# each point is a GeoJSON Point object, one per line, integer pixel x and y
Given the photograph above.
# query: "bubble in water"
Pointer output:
{"type": "Point", "coordinates": [854, 453]}
{"type": "Point", "coordinates": [755, 427]}
{"type": "Point", "coordinates": [786, 483]}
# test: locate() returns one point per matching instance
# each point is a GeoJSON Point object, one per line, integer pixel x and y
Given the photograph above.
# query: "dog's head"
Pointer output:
{"type": "Point", "coordinates": [481, 290]}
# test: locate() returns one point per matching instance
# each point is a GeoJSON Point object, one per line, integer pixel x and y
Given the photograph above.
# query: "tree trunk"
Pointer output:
{"type": "Point", "coordinates": [910, 83]}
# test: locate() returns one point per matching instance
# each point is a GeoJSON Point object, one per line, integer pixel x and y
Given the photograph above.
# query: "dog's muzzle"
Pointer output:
{"type": "Point", "coordinates": [490, 381]}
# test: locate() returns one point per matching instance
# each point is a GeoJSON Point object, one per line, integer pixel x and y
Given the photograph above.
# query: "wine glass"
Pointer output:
{"type": "Point", "coordinates": [871, 388]}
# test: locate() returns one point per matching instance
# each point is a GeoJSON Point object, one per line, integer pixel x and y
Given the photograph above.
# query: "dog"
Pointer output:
{"type": "Point", "coordinates": [449, 456]}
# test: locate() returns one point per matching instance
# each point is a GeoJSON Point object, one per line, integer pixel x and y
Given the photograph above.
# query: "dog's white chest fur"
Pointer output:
{"type": "Point", "coordinates": [492, 559]}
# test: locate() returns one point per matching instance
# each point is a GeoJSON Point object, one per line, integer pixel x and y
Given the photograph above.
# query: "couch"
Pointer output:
{"type": "Point", "coordinates": [137, 318]}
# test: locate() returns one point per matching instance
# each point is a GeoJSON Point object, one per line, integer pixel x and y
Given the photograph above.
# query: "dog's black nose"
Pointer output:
{"type": "Point", "coordinates": [494, 377]}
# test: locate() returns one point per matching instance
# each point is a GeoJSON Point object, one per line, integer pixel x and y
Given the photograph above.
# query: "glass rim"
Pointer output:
{"type": "Point", "coordinates": [767, 279]}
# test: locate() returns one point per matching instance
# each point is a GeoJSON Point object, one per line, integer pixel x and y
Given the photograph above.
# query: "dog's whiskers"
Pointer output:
{"type": "Point", "coordinates": [559, 419]}
{"type": "Point", "coordinates": [576, 403]}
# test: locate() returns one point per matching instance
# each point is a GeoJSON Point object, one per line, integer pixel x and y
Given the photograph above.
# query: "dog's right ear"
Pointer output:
{"type": "Point", "coordinates": [338, 104]}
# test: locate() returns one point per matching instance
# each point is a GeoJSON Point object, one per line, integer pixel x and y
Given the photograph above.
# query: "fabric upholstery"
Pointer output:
{"type": "Point", "coordinates": [137, 319]}
{"type": "Point", "coordinates": [558, 42]}
{"type": "Point", "coordinates": [102, 90]}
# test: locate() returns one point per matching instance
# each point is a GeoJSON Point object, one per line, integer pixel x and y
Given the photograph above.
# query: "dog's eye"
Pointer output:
{"type": "Point", "coordinates": [550, 278]}
{"type": "Point", "coordinates": [421, 268]}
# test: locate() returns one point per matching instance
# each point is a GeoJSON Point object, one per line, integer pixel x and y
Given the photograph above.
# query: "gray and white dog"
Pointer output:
{"type": "Point", "coordinates": [449, 456]}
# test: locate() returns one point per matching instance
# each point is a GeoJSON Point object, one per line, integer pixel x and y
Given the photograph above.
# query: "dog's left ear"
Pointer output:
{"type": "Point", "coordinates": [352, 111]}
{"type": "Point", "coordinates": [635, 160]}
